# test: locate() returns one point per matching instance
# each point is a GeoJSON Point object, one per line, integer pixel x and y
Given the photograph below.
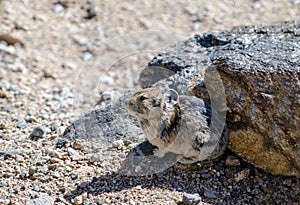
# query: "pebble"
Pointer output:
{"type": "Point", "coordinates": [191, 199]}
{"type": "Point", "coordinates": [53, 126]}
{"type": "Point", "coordinates": [58, 8]}
{"type": "Point", "coordinates": [78, 200]}
{"type": "Point", "coordinates": [55, 160]}
{"type": "Point", "coordinates": [95, 158]}
{"type": "Point", "coordinates": [74, 176]}
{"type": "Point", "coordinates": [196, 26]}
{"type": "Point", "coordinates": [91, 11]}
{"type": "Point", "coordinates": [38, 132]}
{"type": "Point", "coordinates": [86, 56]}
{"type": "Point", "coordinates": [31, 119]}
{"type": "Point", "coordinates": [54, 153]}
{"type": "Point", "coordinates": [64, 3]}
{"type": "Point", "coordinates": [36, 188]}
{"type": "Point", "coordinates": [118, 144]}
{"type": "Point", "coordinates": [72, 151]}
{"type": "Point", "coordinates": [3, 125]}
{"type": "Point", "coordinates": [242, 175]}
{"type": "Point", "coordinates": [48, 74]}
{"type": "Point", "coordinates": [43, 199]}
{"type": "Point", "coordinates": [22, 125]}
{"type": "Point", "coordinates": [106, 79]}
{"type": "Point", "coordinates": [295, 2]}
{"type": "Point", "coordinates": [132, 202]}
{"type": "Point", "coordinates": [232, 161]}
{"type": "Point", "coordinates": [83, 184]}
{"type": "Point", "coordinates": [78, 144]}
{"type": "Point", "coordinates": [210, 194]}
{"type": "Point", "coordinates": [18, 67]}
{"type": "Point", "coordinates": [32, 194]}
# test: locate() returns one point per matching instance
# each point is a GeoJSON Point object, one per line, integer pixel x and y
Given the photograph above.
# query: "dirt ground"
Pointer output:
{"type": "Point", "coordinates": [74, 53]}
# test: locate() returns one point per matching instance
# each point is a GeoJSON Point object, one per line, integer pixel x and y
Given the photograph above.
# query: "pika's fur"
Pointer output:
{"type": "Point", "coordinates": [178, 124]}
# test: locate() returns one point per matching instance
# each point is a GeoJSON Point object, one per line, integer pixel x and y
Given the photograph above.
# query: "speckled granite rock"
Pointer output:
{"type": "Point", "coordinates": [260, 69]}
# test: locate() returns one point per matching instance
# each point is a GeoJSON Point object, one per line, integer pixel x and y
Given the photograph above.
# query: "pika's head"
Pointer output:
{"type": "Point", "coordinates": [152, 102]}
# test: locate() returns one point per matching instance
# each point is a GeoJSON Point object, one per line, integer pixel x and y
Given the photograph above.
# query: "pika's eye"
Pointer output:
{"type": "Point", "coordinates": [142, 98]}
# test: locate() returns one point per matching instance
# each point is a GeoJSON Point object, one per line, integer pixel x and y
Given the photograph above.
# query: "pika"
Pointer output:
{"type": "Point", "coordinates": [176, 123]}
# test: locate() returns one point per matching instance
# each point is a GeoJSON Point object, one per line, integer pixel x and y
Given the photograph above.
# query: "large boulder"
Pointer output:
{"type": "Point", "coordinates": [259, 67]}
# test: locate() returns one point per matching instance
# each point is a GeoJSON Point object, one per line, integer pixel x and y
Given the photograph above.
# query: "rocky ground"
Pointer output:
{"type": "Point", "coordinates": [72, 56]}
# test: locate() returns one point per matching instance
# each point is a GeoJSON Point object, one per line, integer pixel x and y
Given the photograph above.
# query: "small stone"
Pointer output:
{"type": "Point", "coordinates": [53, 126]}
{"type": "Point", "coordinates": [95, 158]}
{"type": "Point", "coordinates": [18, 67]}
{"type": "Point", "coordinates": [21, 125]}
{"type": "Point", "coordinates": [83, 184]}
{"type": "Point", "coordinates": [191, 199]}
{"type": "Point", "coordinates": [78, 200]}
{"type": "Point", "coordinates": [86, 56]}
{"type": "Point", "coordinates": [44, 179]}
{"type": "Point", "coordinates": [118, 144]}
{"type": "Point", "coordinates": [91, 11]}
{"type": "Point", "coordinates": [74, 176]}
{"type": "Point", "coordinates": [36, 188]}
{"type": "Point", "coordinates": [32, 194]}
{"type": "Point", "coordinates": [13, 87]}
{"type": "Point", "coordinates": [210, 194]}
{"type": "Point", "coordinates": [295, 2]}
{"type": "Point", "coordinates": [55, 160]}
{"type": "Point", "coordinates": [64, 3]}
{"type": "Point", "coordinates": [2, 125]}
{"type": "Point", "coordinates": [196, 26]}
{"type": "Point", "coordinates": [38, 132]}
{"type": "Point", "coordinates": [242, 175]}
{"type": "Point", "coordinates": [106, 79]}
{"type": "Point", "coordinates": [58, 8]}
{"type": "Point", "coordinates": [57, 98]}
{"type": "Point", "coordinates": [54, 153]}
{"type": "Point", "coordinates": [100, 202]}
{"type": "Point", "coordinates": [10, 40]}
{"type": "Point", "coordinates": [127, 142]}
{"type": "Point", "coordinates": [78, 144]}
{"type": "Point", "coordinates": [32, 119]}
{"type": "Point", "coordinates": [48, 74]}
{"type": "Point", "coordinates": [132, 202]}
{"type": "Point", "coordinates": [3, 94]}
{"type": "Point", "coordinates": [44, 199]}
{"type": "Point", "coordinates": [71, 151]}
{"type": "Point", "coordinates": [232, 161]}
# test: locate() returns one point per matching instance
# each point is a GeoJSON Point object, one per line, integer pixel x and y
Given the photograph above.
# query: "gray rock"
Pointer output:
{"type": "Point", "coordinates": [91, 11]}
{"type": "Point", "coordinates": [36, 188]}
{"type": "Point", "coordinates": [259, 68]}
{"type": "Point", "coordinates": [191, 199]}
{"type": "Point", "coordinates": [210, 194]}
{"type": "Point", "coordinates": [101, 127]}
{"type": "Point", "coordinates": [22, 125]}
{"type": "Point", "coordinates": [86, 56]}
{"type": "Point", "coordinates": [54, 153]}
{"type": "Point", "coordinates": [43, 199]}
{"type": "Point", "coordinates": [38, 132]}
{"type": "Point", "coordinates": [32, 170]}
{"type": "Point", "coordinates": [58, 8]}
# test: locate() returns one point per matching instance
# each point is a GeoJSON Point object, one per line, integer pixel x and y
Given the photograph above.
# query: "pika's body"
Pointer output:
{"type": "Point", "coordinates": [177, 124]}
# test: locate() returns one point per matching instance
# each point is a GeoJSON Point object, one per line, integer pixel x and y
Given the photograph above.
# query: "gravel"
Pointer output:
{"type": "Point", "coordinates": [70, 53]}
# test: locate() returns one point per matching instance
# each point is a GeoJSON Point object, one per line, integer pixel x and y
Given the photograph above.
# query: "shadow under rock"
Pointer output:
{"type": "Point", "coordinates": [212, 178]}
{"type": "Point", "coordinates": [142, 168]}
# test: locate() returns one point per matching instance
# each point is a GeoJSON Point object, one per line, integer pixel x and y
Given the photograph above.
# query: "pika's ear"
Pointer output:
{"type": "Point", "coordinates": [170, 98]}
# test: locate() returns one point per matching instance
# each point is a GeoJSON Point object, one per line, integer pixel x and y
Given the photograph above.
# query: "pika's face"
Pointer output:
{"type": "Point", "coordinates": [153, 103]}
{"type": "Point", "coordinates": [143, 102]}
